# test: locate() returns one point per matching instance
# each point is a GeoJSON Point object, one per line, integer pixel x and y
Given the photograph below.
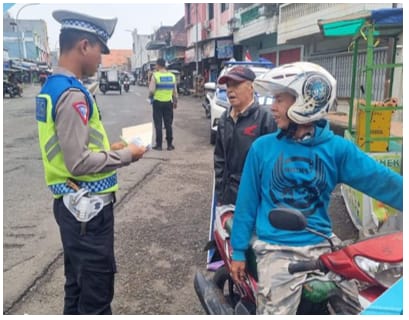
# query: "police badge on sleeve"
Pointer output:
{"type": "Point", "coordinates": [41, 109]}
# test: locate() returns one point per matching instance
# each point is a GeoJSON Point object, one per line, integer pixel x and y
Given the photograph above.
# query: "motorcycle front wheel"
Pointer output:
{"type": "Point", "coordinates": [225, 283]}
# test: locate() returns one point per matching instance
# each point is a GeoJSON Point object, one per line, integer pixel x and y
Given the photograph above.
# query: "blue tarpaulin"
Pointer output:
{"type": "Point", "coordinates": [388, 16]}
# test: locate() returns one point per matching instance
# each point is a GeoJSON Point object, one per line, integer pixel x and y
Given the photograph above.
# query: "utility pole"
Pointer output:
{"type": "Point", "coordinates": [20, 39]}
{"type": "Point", "coordinates": [197, 39]}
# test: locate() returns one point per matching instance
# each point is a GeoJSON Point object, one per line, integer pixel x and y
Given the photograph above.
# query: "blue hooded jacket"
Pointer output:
{"type": "Point", "coordinates": [302, 175]}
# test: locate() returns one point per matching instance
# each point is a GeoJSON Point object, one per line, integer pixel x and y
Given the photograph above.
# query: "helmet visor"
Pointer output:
{"type": "Point", "coordinates": [271, 88]}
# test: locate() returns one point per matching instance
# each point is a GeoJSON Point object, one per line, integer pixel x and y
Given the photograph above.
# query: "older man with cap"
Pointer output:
{"type": "Point", "coordinates": [237, 128]}
{"type": "Point", "coordinates": [80, 164]}
{"type": "Point", "coordinates": [242, 123]}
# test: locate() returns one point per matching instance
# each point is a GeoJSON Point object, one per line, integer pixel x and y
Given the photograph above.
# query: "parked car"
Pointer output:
{"type": "Point", "coordinates": [218, 101]}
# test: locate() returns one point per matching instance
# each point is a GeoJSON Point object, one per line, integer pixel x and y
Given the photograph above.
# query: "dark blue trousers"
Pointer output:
{"type": "Point", "coordinates": [163, 111]}
{"type": "Point", "coordinates": [89, 262]}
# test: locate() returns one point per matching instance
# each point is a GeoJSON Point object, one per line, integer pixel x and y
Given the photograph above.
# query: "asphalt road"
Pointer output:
{"type": "Point", "coordinates": [161, 214]}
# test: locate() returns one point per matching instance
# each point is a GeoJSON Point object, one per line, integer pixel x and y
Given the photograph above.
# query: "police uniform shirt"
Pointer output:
{"type": "Point", "coordinates": [73, 134]}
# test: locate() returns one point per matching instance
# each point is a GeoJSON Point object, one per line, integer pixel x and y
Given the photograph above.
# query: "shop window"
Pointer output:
{"type": "Point", "coordinates": [188, 18]}
{"type": "Point", "coordinates": [211, 10]}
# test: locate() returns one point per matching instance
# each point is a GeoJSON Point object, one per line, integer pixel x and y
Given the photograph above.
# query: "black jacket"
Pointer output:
{"type": "Point", "coordinates": [233, 141]}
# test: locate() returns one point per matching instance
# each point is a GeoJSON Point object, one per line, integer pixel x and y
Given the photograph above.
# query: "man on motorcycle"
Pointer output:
{"type": "Point", "coordinates": [299, 167]}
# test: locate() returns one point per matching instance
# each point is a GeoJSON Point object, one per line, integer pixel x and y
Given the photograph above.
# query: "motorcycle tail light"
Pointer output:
{"type": "Point", "coordinates": [384, 273]}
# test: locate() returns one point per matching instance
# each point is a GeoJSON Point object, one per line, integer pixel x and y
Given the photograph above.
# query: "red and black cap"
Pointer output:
{"type": "Point", "coordinates": [239, 73]}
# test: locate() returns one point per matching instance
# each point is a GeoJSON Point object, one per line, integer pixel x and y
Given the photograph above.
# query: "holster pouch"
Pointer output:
{"type": "Point", "coordinates": [82, 206]}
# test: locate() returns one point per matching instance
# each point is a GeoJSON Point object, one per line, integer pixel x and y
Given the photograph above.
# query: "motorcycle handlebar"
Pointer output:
{"type": "Point", "coordinates": [301, 266]}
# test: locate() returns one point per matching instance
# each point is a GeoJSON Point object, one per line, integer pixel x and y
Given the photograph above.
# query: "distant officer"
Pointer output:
{"type": "Point", "coordinates": [163, 91]}
{"type": "Point", "coordinates": [75, 146]}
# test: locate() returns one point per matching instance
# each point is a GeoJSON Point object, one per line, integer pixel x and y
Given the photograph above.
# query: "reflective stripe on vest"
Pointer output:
{"type": "Point", "coordinates": [52, 147]}
{"type": "Point", "coordinates": [165, 83]}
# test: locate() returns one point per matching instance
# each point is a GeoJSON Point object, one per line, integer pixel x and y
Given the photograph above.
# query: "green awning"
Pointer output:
{"type": "Point", "coordinates": [342, 28]}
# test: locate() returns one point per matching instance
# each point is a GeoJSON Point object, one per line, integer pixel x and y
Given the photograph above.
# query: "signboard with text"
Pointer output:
{"type": "Point", "coordinates": [208, 49]}
{"type": "Point", "coordinates": [190, 55]}
{"type": "Point", "coordinates": [224, 49]}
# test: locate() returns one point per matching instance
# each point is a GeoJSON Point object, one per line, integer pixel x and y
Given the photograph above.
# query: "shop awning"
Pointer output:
{"type": "Point", "coordinates": [155, 45]}
{"type": "Point", "coordinates": [19, 68]}
{"type": "Point", "coordinates": [350, 25]}
{"type": "Point", "coordinates": [30, 66]}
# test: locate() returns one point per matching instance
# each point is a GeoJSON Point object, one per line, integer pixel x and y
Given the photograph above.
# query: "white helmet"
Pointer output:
{"type": "Point", "coordinates": [313, 87]}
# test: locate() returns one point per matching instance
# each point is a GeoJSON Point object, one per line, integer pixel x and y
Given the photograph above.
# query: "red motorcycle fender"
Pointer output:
{"type": "Point", "coordinates": [383, 248]}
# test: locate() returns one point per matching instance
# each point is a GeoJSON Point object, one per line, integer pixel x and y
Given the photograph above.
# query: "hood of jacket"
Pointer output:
{"type": "Point", "coordinates": [322, 134]}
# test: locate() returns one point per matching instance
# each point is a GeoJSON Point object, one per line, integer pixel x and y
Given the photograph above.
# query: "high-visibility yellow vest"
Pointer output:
{"type": "Point", "coordinates": [56, 172]}
{"type": "Point", "coordinates": [165, 83]}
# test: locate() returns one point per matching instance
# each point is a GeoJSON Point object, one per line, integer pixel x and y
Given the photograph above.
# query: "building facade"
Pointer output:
{"type": "Point", "coordinates": [26, 39]}
{"type": "Point", "coordinates": [209, 38]}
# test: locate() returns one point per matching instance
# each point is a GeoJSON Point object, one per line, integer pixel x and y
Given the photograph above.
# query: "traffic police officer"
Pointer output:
{"type": "Point", "coordinates": [163, 91]}
{"type": "Point", "coordinates": [79, 164]}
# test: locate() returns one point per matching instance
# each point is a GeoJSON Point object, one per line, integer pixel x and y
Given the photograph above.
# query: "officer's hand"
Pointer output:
{"type": "Point", "coordinates": [137, 151]}
{"type": "Point", "coordinates": [118, 145]}
{"type": "Point", "coordinates": [238, 269]}
{"type": "Point", "coordinates": [175, 105]}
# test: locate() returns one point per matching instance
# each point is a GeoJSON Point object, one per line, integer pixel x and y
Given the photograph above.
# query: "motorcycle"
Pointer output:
{"type": "Point", "coordinates": [184, 87]}
{"type": "Point", "coordinates": [12, 89]}
{"type": "Point", "coordinates": [126, 85]}
{"type": "Point", "coordinates": [210, 88]}
{"type": "Point", "coordinates": [206, 105]}
{"type": "Point", "coordinates": [375, 262]}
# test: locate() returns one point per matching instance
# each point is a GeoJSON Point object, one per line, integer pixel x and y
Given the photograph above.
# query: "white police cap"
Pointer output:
{"type": "Point", "coordinates": [102, 28]}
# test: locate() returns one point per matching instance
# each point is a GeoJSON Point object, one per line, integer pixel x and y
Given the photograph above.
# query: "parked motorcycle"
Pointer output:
{"type": "Point", "coordinates": [206, 105]}
{"type": "Point", "coordinates": [11, 89]}
{"type": "Point", "coordinates": [43, 78]}
{"type": "Point", "coordinates": [210, 88]}
{"type": "Point", "coordinates": [375, 262]}
{"type": "Point", "coordinates": [126, 85]}
{"type": "Point", "coordinates": [184, 87]}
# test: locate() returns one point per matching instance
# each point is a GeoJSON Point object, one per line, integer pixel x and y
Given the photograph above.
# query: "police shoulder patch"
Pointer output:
{"type": "Point", "coordinates": [41, 109]}
{"type": "Point", "coordinates": [82, 109]}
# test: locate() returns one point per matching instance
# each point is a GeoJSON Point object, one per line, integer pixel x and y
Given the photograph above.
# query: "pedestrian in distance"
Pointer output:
{"type": "Point", "coordinates": [80, 164]}
{"type": "Point", "coordinates": [298, 167]}
{"type": "Point", "coordinates": [239, 126]}
{"type": "Point", "coordinates": [163, 94]}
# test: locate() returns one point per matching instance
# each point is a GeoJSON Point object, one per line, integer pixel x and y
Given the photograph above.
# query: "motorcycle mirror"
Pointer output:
{"type": "Point", "coordinates": [287, 219]}
{"type": "Point", "coordinates": [210, 86]}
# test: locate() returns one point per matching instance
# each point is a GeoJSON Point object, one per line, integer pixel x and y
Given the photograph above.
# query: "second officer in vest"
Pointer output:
{"type": "Point", "coordinates": [163, 91]}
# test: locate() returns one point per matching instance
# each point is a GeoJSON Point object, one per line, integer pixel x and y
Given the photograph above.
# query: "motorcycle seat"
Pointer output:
{"type": "Point", "coordinates": [250, 255]}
